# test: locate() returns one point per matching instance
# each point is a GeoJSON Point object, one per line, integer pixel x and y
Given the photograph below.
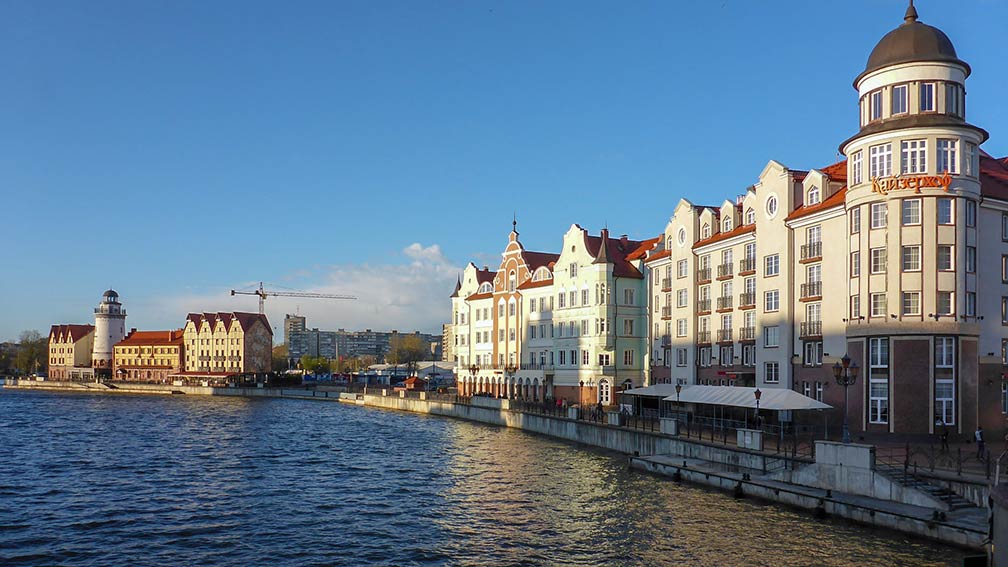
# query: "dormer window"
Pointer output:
{"type": "Point", "coordinates": [814, 196]}
{"type": "Point", "coordinates": [927, 97]}
{"type": "Point", "coordinates": [899, 99]}
{"type": "Point", "coordinates": [726, 225]}
{"type": "Point", "coordinates": [705, 231]}
{"type": "Point", "coordinates": [750, 216]}
{"type": "Point", "coordinates": [485, 288]}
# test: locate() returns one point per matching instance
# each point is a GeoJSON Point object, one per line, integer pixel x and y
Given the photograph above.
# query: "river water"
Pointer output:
{"type": "Point", "coordinates": [159, 480]}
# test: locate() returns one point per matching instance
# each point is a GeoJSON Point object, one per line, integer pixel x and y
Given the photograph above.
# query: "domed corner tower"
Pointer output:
{"type": "Point", "coordinates": [110, 328]}
{"type": "Point", "coordinates": [912, 209]}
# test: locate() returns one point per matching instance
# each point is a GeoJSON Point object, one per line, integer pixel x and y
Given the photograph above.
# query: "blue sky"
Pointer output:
{"type": "Point", "coordinates": [174, 150]}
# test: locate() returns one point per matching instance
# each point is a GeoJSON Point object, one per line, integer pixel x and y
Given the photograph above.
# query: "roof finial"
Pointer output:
{"type": "Point", "coordinates": [514, 222]}
{"type": "Point", "coordinates": [911, 14]}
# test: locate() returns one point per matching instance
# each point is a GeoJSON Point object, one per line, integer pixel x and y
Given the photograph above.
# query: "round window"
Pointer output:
{"type": "Point", "coordinates": [682, 236]}
{"type": "Point", "coordinates": [771, 206]}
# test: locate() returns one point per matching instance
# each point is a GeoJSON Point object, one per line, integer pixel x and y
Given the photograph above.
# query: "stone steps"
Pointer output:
{"type": "Point", "coordinates": [940, 493]}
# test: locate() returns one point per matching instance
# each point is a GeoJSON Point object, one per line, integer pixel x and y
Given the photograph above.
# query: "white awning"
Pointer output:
{"type": "Point", "coordinates": [775, 399]}
{"type": "Point", "coordinates": [654, 391]}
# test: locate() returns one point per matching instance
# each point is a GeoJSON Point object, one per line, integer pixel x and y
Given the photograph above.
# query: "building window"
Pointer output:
{"type": "Point", "coordinates": [945, 211]}
{"type": "Point", "coordinates": [927, 100]}
{"type": "Point", "coordinates": [771, 372]}
{"type": "Point", "coordinates": [628, 357]}
{"type": "Point", "coordinates": [1004, 227]}
{"type": "Point", "coordinates": [682, 268]}
{"type": "Point", "coordinates": [878, 305]}
{"type": "Point", "coordinates": [855, 218]}
{"type": "Point", "coordinates": [971, 213]}
{"type": "Point", "coordinates": [911, 211]}
{"type": "Point", "coordinates": [878, 260]}
{"type": "Point", "coordinates": [814, 196]}
{"type": "Point", "coordinates": [561, 300]}
{"type": "Point", "coordinates": [771, 206]}
{"type": "Point", "coordinates": [878, 215]}
{"type": "Point", "coordinates": [813, 353]}
{"type": "Point", "coordinates": [772, 301]}
{"type": "Point", "coordinates": [947, 156]}
{"type": "Point", "coordinates": [880, 160]}
{"type": "Point", "coordinates": [705, 231]}
{"type": "Point", "coordinates": [704, 356]}
{"type": "Point", "coordinates": [727, 224]}
{"type": "Point", "coordinates": [875, 105]}
{"type": "Point", "coordinates": [899, 99]}
{"type": "Point", "coordinates": [945, 380]}
{"type": "Point", "coordinates": [946, 303]}
{"type": "Point", "coordinates": [572, 270]}
{"type": "Point", "coordinates": [772, 265]}
{"type": "Point", "coordinates": [1004, 310]}
{"type": "Point", "coordinates": [945, 260]}
{"type": "Point", "coordinates": [771, 336]}
{"type": "Point", "coordinates": [628, 327]}
{"type": "Point", "coordinates": [970, 259]}
{"type": "Point", "coordinates": [584, 297]}
{"type": "Point", "coordinates": [748, 355]}
{"type": "Point", "coordinates": [750, 216]}
{"type": "Point", "coordinates": [681, 328]}
{"type": "Point", "coordinates": [727, 355]}
{"type": "Point", "coordinates": [953, 100]}
{"type": "Point", "coordinates": [971, 165]}
{"type": "Point", "coordinates": [971, 303]}
{"type": "Point", "coordinates": [628, 296]}
{"type": "Point", "coordinates": [855, 307]}
{"type": "Point", "coordinates": [911, 258]}
{"type": "Point", "coordinates": [680, 357]}
{"type": "Point", "coordinates": [914, 156]}
{"type": "Point", "coordinates": [1004, 395]}
{"type": "Point", "coordinates": [511, 308]}
{"type": "Point", "coordinates": [878, 376]}
{"type": "Point", "coordinates": [911, 303]}
{"type": "Point", "coordinates": [682, 296]}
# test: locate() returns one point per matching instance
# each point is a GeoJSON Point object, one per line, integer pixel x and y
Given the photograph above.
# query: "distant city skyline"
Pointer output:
{"type": "Point", "coordinates": [174, 152]}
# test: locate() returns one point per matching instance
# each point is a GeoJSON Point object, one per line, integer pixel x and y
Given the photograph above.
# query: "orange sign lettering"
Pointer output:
{"type": "Point", "coordinates": [884, 185]}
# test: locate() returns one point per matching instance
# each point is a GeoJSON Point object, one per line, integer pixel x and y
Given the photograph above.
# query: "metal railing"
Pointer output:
{"type": "Point", "coordinates": [725, 302]}
{"type": "Point", "coordinates": [666, 284]}
{"type": "Point", "coordinates": [747, 334]}
{"type": "Point", "coordinates": [747, 299]}
{"type": "Point", "coordinates": [811, 289]}
{"type": "Point", "coordinates": [724, 270]}
{"type": "Point", "coordinates": [703, 336]}
{"type": "Point", "coordinates": [666, 312]}
{"type": "Point", "coordinates": [811, 329]}
{"type": "Point", "coordinates": [724, 335]}
{"type": "Point", "coordinates": [747, 265]}
{"type": "Point", "coordinates": [811, 250]}
{"type": "Point", "coordinates": [703, 275]}
{"type": "Point", "coordinates": [703, 305]}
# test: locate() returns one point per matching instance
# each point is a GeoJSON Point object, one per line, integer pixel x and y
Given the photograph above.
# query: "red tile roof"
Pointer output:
{"type": "Point", "coordinates": [659, 255]}
{"type": "Point", "coordinates": [71, 332]}
{"type": "Point", "coordinates": [137, 338]}
{"type": "Point", "coordinates": [529, 284]}
{"type": "Point", "coordinates": [798, 174]}
{"type": "Point", "coordinates": [245, 320]}
{"type": "Point", "coordinates": [837, 171]}
{"type": "Point", "coordinates": [645, 247]}
{"type": "Point", "coordinates": [834, 200]}
{"type": "Point", "coordinates": [536, 260]}
{"type": "Point", "coordinates": [616, 253]}
{"type": "Point", "coordinates": [993, 176]}
{"type": "Point", "coordinates": [476, 296]}
{"type": "Point", "coordinates": [738, 230]}
{"type": "Point", "coordinates": [485, 276]}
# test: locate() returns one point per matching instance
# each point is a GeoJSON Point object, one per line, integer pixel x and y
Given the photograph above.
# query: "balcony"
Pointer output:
{"type": "Point", "coordinates": [703, 306]}
{"type": "Point", "coordinates": [724, 335]}
{"type": "Point", "coordinates": [747, 334]}
{"type": "Point", "coordinates": [607, 370]}
{"type": "Point", "coordinates": [747, 299]}
{"type": "Point", "coordinates": [811, 251]}
{"type": "Point", "coordinates": [703, 337]}
{"type": "Point", "coordinates": [666, 312]}
{"type": "Point", "coordinates": [747, 266]}
{"type": "Point", "coordinates": [666, 284]}
{"type": "Point", "coordinates": [724, 303]}
{"type": "Point", "coordinates": [724, 271]}
{"type": "Point", "coordinates": [666, 341]}
{"type": "Point", "coordinates": [810, 329]}
{"type": "Point", "coordinates": [811, 290]}
{"type": "Point", "coordinates": [541, 365]}
{"type": "Point", "coordinates": [703, 275]}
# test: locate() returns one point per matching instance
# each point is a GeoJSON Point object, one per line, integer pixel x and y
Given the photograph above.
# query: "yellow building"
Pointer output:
{"type": "Point", "coordinates": [149, 356]}
{"type": "Point", "coordinates": [70, 348]}
{"type": "Point", "coordinates": [219, 345]}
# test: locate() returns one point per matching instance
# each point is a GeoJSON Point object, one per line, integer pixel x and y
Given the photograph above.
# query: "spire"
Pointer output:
{"type": "Point", "coordinates": [911, 14]}
{"type": "Point", "coordinates": [603, 253]}
{"type": "Point", "coordinates": [514, 222]}
{"type": "Point", "coordinates": [458, 286]}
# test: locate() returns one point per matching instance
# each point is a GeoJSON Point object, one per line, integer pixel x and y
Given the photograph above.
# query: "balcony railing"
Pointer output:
{"type": "Point", "coordinates": [811, 289]}
{"type": "Point", "coordinates": [724, 302]}
{"type": "Point", "coordinates": [724, 335]}
{"type": "Point", "coordinates": [666, 312]}
{"type": "Point", "coordinates": [746, 299]}
{"type": "Point", "coordinates": [703, 306]}
{"type": "Point", "coordinates": [811, 329]}
{"type": "Point", "coordinates": [703, 336]}
{"type": "Point", "coordinates": [747, 334]}
{"type": "Point", "coordinates": [703, 275]}
{"type": "Point", "coordinates": [747, 265]}
{"type": "Point", "coordinates": [724, 271]}
{"type": "Point", "coordinates": [666, 284]}
{"type": "Point", "coordinates": [811, 250]}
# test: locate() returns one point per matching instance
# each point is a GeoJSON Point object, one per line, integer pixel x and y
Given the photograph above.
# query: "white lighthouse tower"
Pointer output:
{"type": "Point", "coordinates": [110, 328]}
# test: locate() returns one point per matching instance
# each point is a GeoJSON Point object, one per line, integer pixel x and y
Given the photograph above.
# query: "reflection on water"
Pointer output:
{"type": "Point", "coordinates": [122, 480]}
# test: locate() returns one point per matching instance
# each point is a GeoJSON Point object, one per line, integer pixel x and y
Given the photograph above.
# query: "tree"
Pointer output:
{"type": "Point", "coordinates": [280, 358]}
{"type": "Point", "coordinates": [32, 355]}
{"type": "Point", "coordinates": [314, 364]}
{"type": "Point", "coordinates": [408, 350]}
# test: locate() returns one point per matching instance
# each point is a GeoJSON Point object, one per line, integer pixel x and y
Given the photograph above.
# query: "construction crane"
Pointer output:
{"type": "Point", "coordinates": [262, 293]}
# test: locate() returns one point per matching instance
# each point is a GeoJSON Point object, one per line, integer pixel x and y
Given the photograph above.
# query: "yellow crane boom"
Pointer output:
{"type": "Point", "coordinates": [263, 293]}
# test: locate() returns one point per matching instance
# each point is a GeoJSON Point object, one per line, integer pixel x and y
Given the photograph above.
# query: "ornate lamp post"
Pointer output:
{"type": "Point", "coordinates": [845, 373]}
{"type": "Point", "coordinates": [678, 388]}
{"type": "Point", "coordinates": [509, 371]}
{"type": "Point", "coordinates": [473, 371]}
{"type": "Point", "coordinates": [758, 394]}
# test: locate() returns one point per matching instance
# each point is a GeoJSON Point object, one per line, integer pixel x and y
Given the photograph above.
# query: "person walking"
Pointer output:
{"type": "Point", "coordinates": [979, 438]}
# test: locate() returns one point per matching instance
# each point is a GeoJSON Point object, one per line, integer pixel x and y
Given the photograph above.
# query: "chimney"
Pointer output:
{"type": "Point", "coordinates": [623, 238]}
{"type": "Point", "coordinates": [486, 268]}
{"type": "Point", "coordinates": [605, 233]}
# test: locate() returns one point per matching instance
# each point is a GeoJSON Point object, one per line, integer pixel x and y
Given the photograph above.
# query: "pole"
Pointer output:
{"type": "Point", "coordinates": [846, 431]}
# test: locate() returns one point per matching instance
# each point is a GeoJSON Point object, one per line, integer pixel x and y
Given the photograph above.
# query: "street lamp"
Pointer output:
{"type": "Point", "coordinates": [758, 394]}
{"type": "Point", "coordinates": [473, 371]}
{"type": "Point", "coordinates": [509, 371]}
{"type": "Point", "coordinates": [845, 373]}
{"type": "Point", "coordinates": [678, 388]}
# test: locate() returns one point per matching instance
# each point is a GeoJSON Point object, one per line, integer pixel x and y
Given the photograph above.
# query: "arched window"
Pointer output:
{"type": "Point", "coordinates": [485, 287]}
{"type": "Point", "coordinates": [705, 231]}
{"type": "Point", "coordinates": [750, 216]}
{"type": "Point", "coordinates": [668, 243]}
{"type": "Point", "coordinates": [814, 196]}
{"type": "Point", "coordinates": [726, 225]}
{"type": "Point", "coordinates": [511, 282]}
{"type": "Point", "coordinates": [605, 392]}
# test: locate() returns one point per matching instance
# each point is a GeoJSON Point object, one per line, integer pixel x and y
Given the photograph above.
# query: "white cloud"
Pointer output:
{"type": "Point", "coordinates": [412, 294]}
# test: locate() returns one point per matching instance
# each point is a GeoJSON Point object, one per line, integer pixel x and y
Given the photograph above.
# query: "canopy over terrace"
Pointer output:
{"type": "Point", "coordinates": [774, 399]}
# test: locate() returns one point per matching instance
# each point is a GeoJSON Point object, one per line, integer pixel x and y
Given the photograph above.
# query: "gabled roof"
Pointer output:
{"type": "Point", "coordinates": [834, 200]}
{"type": "Point", "coordinates": [70, 332]}
{"type": "Point", "coordinates": [535, 260]}
{"type": "Point", "coordinates": [485, 276]}
{"type": "Point", "coordinates": [245, 320]}
{"type": "Point", "coordinates": [738, 230]}
{"type": "Point", "coordinates": [645, 246]}
{"type": "Point", "coordinates": [993, 176]}
{"type": "Point", "coordinates": [139, 338]}
{"type": "Point", "coordinates": [476, 296]}
{"type": "Point", "coordinates": [658, 255]}
{"type": "Point", "coordinates": [529, 284]}
{"type": "Point", "coordinates": [615, 253]}
{"type": "Point", "coordinates": [837, 171]}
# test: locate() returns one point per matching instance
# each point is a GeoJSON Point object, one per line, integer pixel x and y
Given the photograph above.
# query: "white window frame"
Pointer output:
{"type": "Point", "coordinates": [880, 160]}
{"type": "Point", "coordinates": [913, 156]}
{"type": "Point", "coordinates": [879, 215]}
{"type": "Point", "coordinates": [911, 303]}
{"type": "Point", "coordinates": [771, 301]}
{"type": "Point", "coordinates": [878, 360]}
{"type": "Point", "coordinates": [910, 212]}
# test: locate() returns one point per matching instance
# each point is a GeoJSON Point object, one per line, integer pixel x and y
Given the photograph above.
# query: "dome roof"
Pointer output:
{"type": "Point", "coordinates": [912, 41]}
{"type": "Point", "coordinates": [110, 294]}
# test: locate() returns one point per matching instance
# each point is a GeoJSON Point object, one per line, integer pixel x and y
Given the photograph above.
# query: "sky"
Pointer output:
{"type": "Point", "coordinates": [175, 150]}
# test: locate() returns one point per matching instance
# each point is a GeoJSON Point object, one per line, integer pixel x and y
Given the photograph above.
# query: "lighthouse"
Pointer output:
{"type": "Point", "coordinates": [110, 328]}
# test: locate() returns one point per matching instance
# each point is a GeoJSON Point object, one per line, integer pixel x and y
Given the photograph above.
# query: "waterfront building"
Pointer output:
{"type": "Point", "coordinates": [570, 325]}
{"type": "Point", "coordinates": [311, 342]}
{"type": "Point", "coordinates": [896, 256]}
{"type": "Point", "coordinates": [448, 337]}
{"type": "Point", "coordinates": [351, 344]}
{"type": "Point", "coordinates": [110, 328]}
{"type": "Point", "coordinates": [293, 324]}
{"type": "Point", "coordinates": [226, 344]}
{"type": "Point", "coordinates": [149, 356]}
{"type": "Point", "coordinates": [70, 349]}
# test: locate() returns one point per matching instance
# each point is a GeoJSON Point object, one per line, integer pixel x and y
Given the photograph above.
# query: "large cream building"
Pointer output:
{"type": "Point", "coordinates": [70, 348]}
{"type": "Point", "coordinates": [226, 344]}
{"type": "Point", "coordinates": [896, 256]}
{"type": "Point", "coordinates": [570, 325]}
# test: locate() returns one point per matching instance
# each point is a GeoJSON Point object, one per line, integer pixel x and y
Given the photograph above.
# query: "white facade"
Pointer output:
{"type": "Point", "coordinates": [110, 328]}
